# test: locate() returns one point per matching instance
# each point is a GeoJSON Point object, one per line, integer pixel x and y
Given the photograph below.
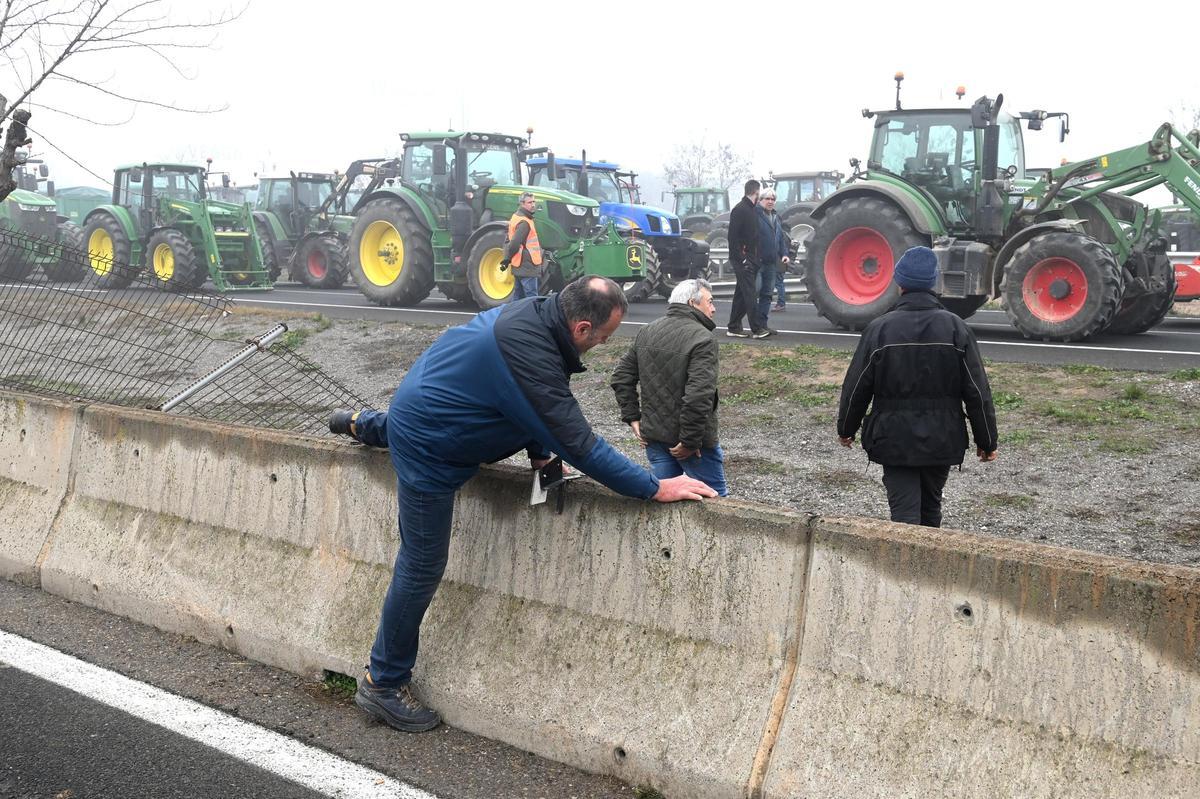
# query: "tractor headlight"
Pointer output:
{"type": "Point", "coordinates": [25, 207]}
{"type": "Point", "coordinates": [577, 210]}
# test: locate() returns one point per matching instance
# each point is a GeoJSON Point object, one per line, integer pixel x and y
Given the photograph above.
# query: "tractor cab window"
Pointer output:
{"type": "Point", "coordinates": [1011, 152]}
{"type": "Point", "coordinates": [129, 190]}
{"type": "Point", "coordinates": [177, 185]}
{"type": "Point", "coordinates": [602, 187]}
{"type": "Point", "coordinates": [698, 202]}
{"type": "Point", "coordinates": [311, 194]}
{"type": "Point", "coordinates": [280, 198]}
{"type": "Point", "coordinates": [796, 190]}
{"type": "Point", "coordinates": [489, 165]}
{"type": "Point", "coordinates": [417, 167]}
{"type": "Point", "coordinates": [539, 175]}
{"type": "Point", "coordinates": [933, 151]}
{"type": "Point", "coordinates": [828, 187]}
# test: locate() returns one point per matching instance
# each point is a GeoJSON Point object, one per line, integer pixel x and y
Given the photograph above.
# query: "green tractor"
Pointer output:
{"type": "Point", "coordinates": [298, 233]}
{"type": "Point", "coordinates": [796, 195]}
{"type": "Point", "coordinates": [162, 219]}
{"type": "Point", "coordinates": [438, 216]}
{"type": "Point", "coordinates": [34, 214]}
{"type": "Point", "coordinates": [1071, 253]}
{"type": "Point", "coordinates": [700, 210]}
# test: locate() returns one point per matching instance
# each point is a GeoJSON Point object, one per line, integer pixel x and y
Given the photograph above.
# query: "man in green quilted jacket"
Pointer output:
{"type": "Point", "coordinates": [674, 363]}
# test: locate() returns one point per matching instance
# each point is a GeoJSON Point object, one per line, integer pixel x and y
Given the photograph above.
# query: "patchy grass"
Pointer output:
{"type": "Point", "coordinates": [1126, 446]}
{"type": "Point", "coordinates": [1007, 500]}
{"type": "Point", "coordinates": [751, 464]}
{"type": "Point", "coordinates": [1085, 369]}
{"type": "Point", "coordinates": [1016, 438]}
{"type": "Point", "coordinates": [1186, 374]}
{"type": "Point", "coordinates": [841, 478]}
{"type": "Point", "coordinates": [1072, 413]}
{"type": "Point", "coordinates": [1004, 400]}
{"type": "Point", "coordinates": [1134, 393]}
{"type": "Point", "coordinates": [646, 792]}
{"type": "Point", "coordinates": [297, 335]}
{"type": "Point", "coordinates": [339, 686]}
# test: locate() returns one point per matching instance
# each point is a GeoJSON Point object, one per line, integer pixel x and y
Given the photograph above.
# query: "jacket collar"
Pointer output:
{"type": "Point", "coordinates": [685, 311]}
{"type": "Point", "coordinates": [917, 301]}
{"type": "Point", "coordinates": [746, 201]}
{"type": "Point", "coordinates": [523, 212]}
{"type": "Point", "coordinates": [551, 312]}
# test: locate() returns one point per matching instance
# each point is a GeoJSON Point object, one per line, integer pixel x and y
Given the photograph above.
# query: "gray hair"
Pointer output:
{"type": "Point", "coordinates": [526, 195]}
{"type": "Point", "coordinates": [688, 291]}
{"type": "Point", "coordinates": [766, 194]}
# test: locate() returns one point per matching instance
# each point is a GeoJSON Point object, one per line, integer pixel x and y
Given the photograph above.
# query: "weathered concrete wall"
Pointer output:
{"type": "Point", "coordinates": [713, 650]}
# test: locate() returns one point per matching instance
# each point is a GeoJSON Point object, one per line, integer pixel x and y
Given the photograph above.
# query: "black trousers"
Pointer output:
{"type": "Point", "coordinates": [745, 299]}
{"type": "Point", "coordinates": [915, 493]}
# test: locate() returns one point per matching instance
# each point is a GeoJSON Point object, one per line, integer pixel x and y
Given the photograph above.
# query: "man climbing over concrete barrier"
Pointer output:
{"type": "Point", "coordinates": [481, 393]}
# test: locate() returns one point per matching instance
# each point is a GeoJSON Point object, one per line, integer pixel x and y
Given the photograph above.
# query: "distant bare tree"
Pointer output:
{"type": "Point", "coordinates": [61, 43]}
{"type": "Point", "coordinates": [697, 164]}
{"type": "Point", "coordinates": [1186, 117]}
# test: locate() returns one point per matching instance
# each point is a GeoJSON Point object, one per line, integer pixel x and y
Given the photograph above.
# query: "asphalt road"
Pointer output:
{"type": "Point", "coordinates": [1175, 344]}
{"type": "Point", "coordinates": [93, 706]}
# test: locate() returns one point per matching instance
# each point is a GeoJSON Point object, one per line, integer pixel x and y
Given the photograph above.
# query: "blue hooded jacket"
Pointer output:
{"type": "Point", "coordinates": [490, 388]}
{"type": "Point", "coordinates": [772, 244]}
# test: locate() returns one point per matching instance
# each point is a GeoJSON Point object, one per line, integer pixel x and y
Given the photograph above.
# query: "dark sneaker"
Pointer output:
{"type": "Point", "coordinates": [339, 422]}
{"type": "Point", "coordinates": [779, 307]}
{"type": "Point", "coordinates": [396, 707]}
{"type": "Point", "coordinates": [737, 332]}
{"type": "Point", "coordinates": [766, 331]}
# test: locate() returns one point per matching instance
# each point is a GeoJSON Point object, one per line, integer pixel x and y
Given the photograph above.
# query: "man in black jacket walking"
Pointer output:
{"type": "Point", "coordinates": [743, 255]}
{"type": "Point", "coordinates": [916, 367]}
{"type": "Point", "coordinates": [674, 362]}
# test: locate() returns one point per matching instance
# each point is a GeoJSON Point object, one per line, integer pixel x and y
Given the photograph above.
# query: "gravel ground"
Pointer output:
{"type": "Point", "coordinates": [1090, 458]}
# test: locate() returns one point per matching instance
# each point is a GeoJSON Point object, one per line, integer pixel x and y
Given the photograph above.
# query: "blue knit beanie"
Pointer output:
{"type": "Point", "coordinates": [916, 270]}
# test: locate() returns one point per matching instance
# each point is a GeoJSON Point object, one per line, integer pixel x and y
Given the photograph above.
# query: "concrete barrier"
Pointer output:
{"type": "Point", "coordinates": [715, 650]}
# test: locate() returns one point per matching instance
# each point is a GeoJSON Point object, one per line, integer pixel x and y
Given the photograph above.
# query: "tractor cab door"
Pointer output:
{"type": "Point", "coordinates": [430, 166]}
{"type": "Point", "coordinates": [131, 190]}
{"type": "Point", "coordinates": [280, 199]}
{"type": "Point", "coordinates": [309, 195]}
{"type": "Point", "coordinates": [935, 151]}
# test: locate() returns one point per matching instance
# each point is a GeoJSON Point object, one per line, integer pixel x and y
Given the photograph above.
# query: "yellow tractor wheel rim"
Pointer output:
{"type": "Point", "coordinates": [495, 283]}
{"type": "Point", "coordinates": [100, 252]}
{"type": "Point", "coordinates": [164, 262]}
{"type": "Point", "coordinates": [381, 253]}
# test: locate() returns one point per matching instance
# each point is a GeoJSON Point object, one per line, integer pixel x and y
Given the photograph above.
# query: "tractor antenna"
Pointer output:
{"type": "Point", "coordinates": [899, 79]}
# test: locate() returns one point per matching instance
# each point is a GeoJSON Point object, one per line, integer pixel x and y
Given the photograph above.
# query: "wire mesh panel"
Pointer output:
{"type": "Point", "coordinates": [77, 322]}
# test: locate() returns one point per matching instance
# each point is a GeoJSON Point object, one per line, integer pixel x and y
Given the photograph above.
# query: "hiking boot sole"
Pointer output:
{"type": "Point", "coordinates": [377, 712]}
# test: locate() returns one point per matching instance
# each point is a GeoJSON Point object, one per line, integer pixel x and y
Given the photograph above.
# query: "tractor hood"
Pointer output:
{"type": "Point", "coordinates": [545, 195]}
{"type": "Point", "coordinates": [646, 219]}
{"type": "Point", "coordinates": [30, 199]}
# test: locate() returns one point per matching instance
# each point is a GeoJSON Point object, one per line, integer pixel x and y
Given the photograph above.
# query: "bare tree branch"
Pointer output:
{"type": "Point", "coordinates": [697, 164]}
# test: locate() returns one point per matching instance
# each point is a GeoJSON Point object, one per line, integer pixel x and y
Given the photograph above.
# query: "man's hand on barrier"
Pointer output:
{"type": "Point", "coordinates": [674, 489]}
{"type": "Point", "coordinates": [681, 453]}
{"type": "Point", "coordinates": [987, 456]}
{"type": "Point", "coordinates": [846, 441]}
{"type": "Point", "coordinates": [637, 431]}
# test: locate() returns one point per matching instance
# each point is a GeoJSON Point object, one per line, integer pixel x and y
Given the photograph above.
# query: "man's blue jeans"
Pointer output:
{"type": "Point", "coordinates": [780, 289]}
{"type": "Point", "coordinates": [708, 466]}
{"type": "Point", "coordinates": [526, 287]}
{"type": "Point", "coordinates": [766, 289]}
{"type": "Point", "coordinates": [424, 545]}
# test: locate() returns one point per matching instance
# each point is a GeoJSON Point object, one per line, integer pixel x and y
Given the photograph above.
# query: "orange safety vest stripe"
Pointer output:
{"type": "Point", "coordinates": [531, 246]}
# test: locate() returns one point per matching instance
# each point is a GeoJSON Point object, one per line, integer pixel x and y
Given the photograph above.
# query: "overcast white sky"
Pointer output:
{"type": "Point", "coordinates": [313, 84]}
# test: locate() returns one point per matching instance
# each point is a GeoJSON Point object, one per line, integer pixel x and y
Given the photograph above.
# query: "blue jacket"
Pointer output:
{"type": "Point", "coordinates": [772, 244]}
{"type": "Point", "coordinates": [490, 388]}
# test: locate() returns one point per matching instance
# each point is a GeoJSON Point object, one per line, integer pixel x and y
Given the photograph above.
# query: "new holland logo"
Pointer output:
{"type": "Point", "coordinates": [633, 254]}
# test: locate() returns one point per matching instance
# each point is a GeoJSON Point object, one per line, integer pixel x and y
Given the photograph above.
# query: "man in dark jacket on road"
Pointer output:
{"type": "Point", "coordinates": [674, 360]}
{"type": "Point", "coordinates": [482, 392]}
{"type": "Point", "coordinates": [743, 256]}
{"type": "Point", "coordinates": [773, 249]}
{"type": "Point", "coordinates": [916, 367]}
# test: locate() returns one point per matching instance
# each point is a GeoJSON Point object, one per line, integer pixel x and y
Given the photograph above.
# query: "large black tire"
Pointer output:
{"type": "Point", "coordinates": [1139, 314]}
{"type": "Point", "coordinates": [16, 257]}
{"type": "Point", "coordinates": [457, 292]}
{"type": "Point", "coordinates": [322, 262]}
{"type": "Point", "coordinates": [108, 252]}
{"type": "Point", "coordinates": [964, 307]}
{"type": "Point", "coordinates": [697, 227]}
{"type": "Point", "coordinates": [490, 287]}
{"type": "Point", "coordinates": [171, 261]}
{"type": "Point", "coordinates": [652, 277]}
{"type": "Point", "coordinates": [391, 254]}
{"type": "Point", "coordinates": [1061, 286]}
{"type": "Point", "coordinates": [665, 283]}
{"type": "Point", "coordinates": [270, 255]}
{"type": "Point", "coordinates": [851, 256]}
{"type": "Point", "coordinates": [71, 266]}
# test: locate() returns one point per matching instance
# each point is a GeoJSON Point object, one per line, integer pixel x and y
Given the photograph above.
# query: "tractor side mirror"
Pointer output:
{"type": "Point", "coordinates": [551, 167]}
{"type": "Point", "coordinates": [439, 160]}
{"type": "Point", "coordinates": [49, 188]}
{"type": "Point", "coordinates": [1064, 127]}
{"type": "Point", "coordinates": [225, 181]}
{"type": "Point", "coordinates": [43, 170]}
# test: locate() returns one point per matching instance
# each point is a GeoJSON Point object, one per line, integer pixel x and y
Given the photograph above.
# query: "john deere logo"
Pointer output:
{"type": "Point", "coordinates": [633, 254]}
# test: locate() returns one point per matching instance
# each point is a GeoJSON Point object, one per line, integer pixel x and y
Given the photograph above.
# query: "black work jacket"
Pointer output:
{"type": "Point", "coordinates": [916, 368]}
{"type": "Point", "coordinates": [743, 234]}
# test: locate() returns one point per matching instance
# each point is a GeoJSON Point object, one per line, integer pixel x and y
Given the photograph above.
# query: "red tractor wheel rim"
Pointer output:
{"type": "Point", "coordinates": [858, 265]}
{"type": "Point", "coordinates": [316, 264]}
{"type": "Point", "coordinates": [1055, 289]}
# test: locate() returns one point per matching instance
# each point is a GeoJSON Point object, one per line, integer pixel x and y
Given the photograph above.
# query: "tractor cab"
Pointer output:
{"type": "Point", "coordinates": [294, 199]}
{"type": "Point", "coordinates": [452, 167]}
{"type": "Point", "coordinates": [706, 202]}
{"type": "Point", "coordinates": [938, 151]}
{"type": "Point", "coordinates": [793, 188]}
{"type": "Point", "coordinates": [153, 193]}
{"type": "Point", "coordinates": [602, 181]}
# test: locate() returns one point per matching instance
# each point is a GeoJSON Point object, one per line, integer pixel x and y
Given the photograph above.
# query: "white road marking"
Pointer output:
{"type": "Point", "coordinates": [285, 757]}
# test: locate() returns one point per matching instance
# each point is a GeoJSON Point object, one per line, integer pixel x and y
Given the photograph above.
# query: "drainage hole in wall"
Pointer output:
{"type": "Point", "coordinates": [229, 629]}
{"type": "Point", "coordinates": [274, 479]}
{"type": "Point", "coordinates": [137, 453]}
{"type": "Point", "coordinates": [666, 553]}
{"type": "Point", "coordinates": [619, 754]}
{"type": "Point", "coordinates": [964, 613]}
{"type": "Point", "coordinates": [22, 435]}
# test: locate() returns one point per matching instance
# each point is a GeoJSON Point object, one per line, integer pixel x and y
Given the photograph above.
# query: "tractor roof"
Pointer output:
{"type": "Point", "coordinates": [695, 190]}
{"type": "Point", "coordinates": [166, 165]}
{"type": "Point", "coordinates": [490, 138]}
{"type": "Point", "coordinates": [797, 175]}
{"type": "Point", "coordinates": [599, 166]}
{"type": "Point", "coordinates": [309, 176]}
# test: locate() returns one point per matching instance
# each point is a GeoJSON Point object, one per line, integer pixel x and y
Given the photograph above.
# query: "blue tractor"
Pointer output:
{"type": "Point", "coordinates": [671, 257]}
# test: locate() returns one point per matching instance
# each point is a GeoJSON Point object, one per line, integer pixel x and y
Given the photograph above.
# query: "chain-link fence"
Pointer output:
{"type": "Point", "coordinates": [86, 326]}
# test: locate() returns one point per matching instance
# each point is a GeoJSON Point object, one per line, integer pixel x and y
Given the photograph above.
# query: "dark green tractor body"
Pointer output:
{"type": "Point", "coordinates": [300, 234]}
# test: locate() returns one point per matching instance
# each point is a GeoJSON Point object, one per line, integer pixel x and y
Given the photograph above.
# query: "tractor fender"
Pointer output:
{"type": "Point", "coordinates": [479, 231]}
{"type": "Point", "coordinates": [265, 218]}
{"type": "Point", "coordinates": [916, 213]}
{"type": "Point", "coordinates": [1023, 236]}
{"type": "Point", "coordinates": [407, 196]}
{"type": "Point", "coordinates": [117, 212]}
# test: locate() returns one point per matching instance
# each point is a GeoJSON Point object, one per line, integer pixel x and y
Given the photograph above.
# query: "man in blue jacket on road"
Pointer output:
{"type": "Point", "coordinates": [480, 393]}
